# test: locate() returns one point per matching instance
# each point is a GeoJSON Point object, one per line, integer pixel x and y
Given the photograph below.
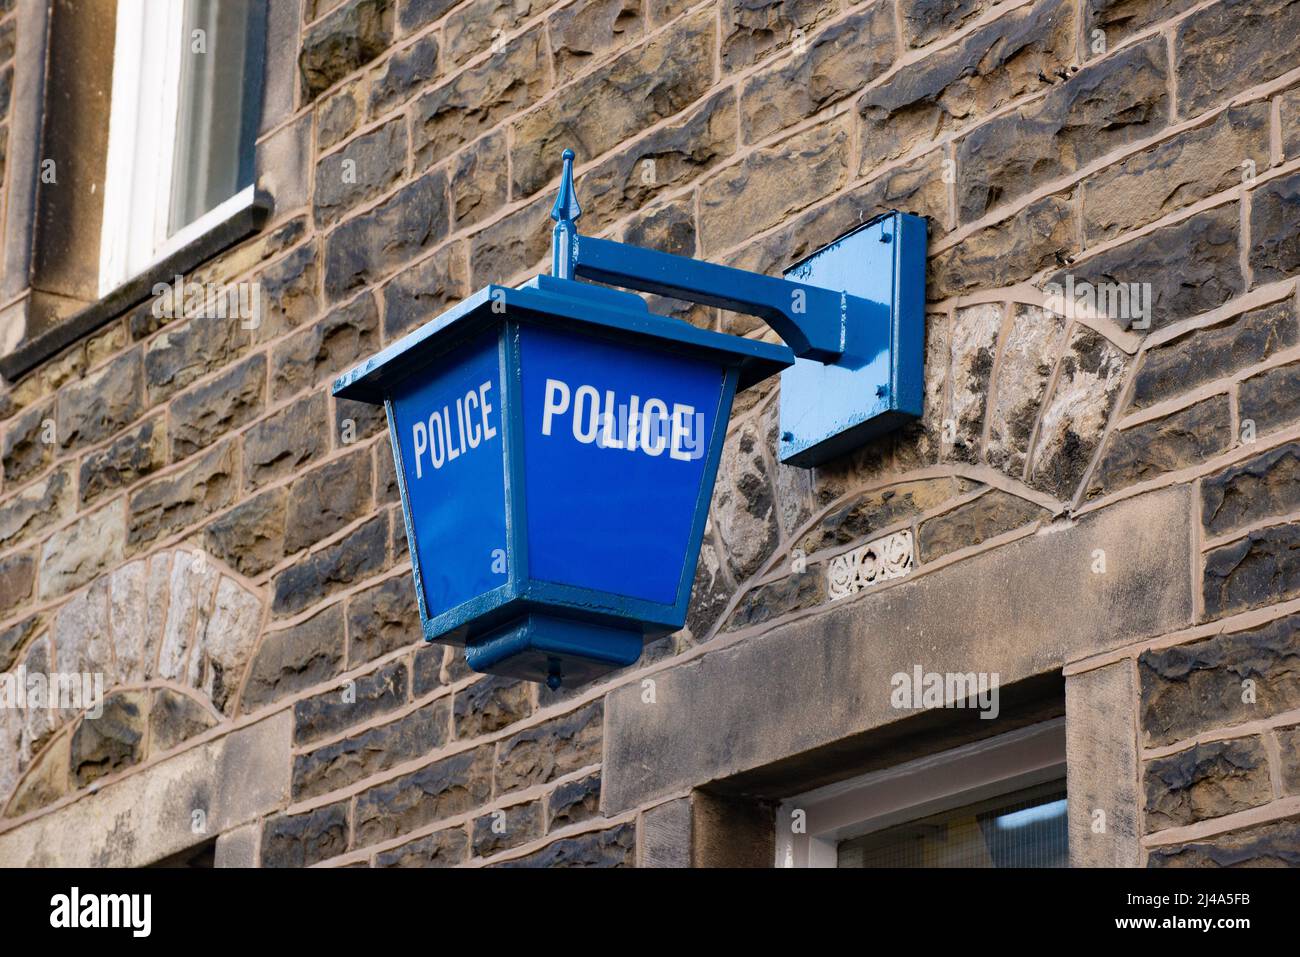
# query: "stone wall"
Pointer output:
{"type": "Point", "coordinates": [186, 510]}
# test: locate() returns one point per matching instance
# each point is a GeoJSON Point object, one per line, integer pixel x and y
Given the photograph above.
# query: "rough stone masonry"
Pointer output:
{"type": "Point", "coordinates": [186, 510]}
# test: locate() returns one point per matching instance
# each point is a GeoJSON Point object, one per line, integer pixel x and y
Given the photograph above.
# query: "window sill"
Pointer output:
{"type": "Point", "coordinates": [242, 224]}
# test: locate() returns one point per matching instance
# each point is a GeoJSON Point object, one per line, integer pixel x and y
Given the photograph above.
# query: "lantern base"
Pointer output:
{"type": "Point", "coordinates": [555, 650]}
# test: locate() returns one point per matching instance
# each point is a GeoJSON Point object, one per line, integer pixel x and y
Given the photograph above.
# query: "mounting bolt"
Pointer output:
{"type": "Point", "coordinates": [882, 390]}
{"type": "Point", "coordinates": [885, 237]}
{"type": "Point", "coordinates": [787, 436]}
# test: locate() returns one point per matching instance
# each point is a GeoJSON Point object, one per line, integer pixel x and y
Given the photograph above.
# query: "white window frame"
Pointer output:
{"type": "Point", "coordinates": [147, 61]}
{"type": "Point", "coordinates": [919, 788]}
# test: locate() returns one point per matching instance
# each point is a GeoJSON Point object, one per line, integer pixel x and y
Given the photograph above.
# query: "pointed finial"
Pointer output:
{"type": "Point", "coordinates": [564, 237]}
{"type": "Point", "coordinates": [566, 208]}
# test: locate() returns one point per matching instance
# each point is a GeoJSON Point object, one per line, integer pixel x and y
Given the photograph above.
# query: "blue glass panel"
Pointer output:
{"type": "Point", "coordinates": [449, 427]}
{"type": "Point", "coordinates": [616, 440]}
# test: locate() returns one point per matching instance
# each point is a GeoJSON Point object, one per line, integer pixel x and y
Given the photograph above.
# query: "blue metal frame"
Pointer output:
{"type": "Point", "coordinates": [544, 630]}
{"type": "Point", "coordinates": [878, 384]}
{"type": "Point", "coordinates": [488, 624]}
{"type": "Point", "coordinates": [813, 321]}
{"type": "Point", "coordinates": [843, 310]}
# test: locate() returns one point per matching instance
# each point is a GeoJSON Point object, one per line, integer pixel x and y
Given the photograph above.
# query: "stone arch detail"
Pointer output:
{"type": "Point", "coordinates": [128, 727]}
{"type": "Point", "coordinates": [166, 639]}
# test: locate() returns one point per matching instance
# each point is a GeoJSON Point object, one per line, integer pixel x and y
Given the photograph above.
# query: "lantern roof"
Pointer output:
{"type": "Point", "coordinates": [563, 303]}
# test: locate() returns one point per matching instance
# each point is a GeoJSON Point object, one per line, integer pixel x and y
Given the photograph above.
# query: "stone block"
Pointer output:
{"type": "Point", "coordinates": [112, 742]}
{"type": "Point", "coordinates": [44, 502]}
{"type": "Point", "coordinates": [201, 416]}
{"type": "Point", "coordinates": [1213, 352]}
{"type": "Point", "coordinates": [838, 60]}
{"type": "Point", "coordinates": [1206, 781]}
{"type": "Point", "coordinates": [1092, 371]}
{"type": "Point", "coordinates": [339, 764]}
{"type": "Point", "coordinates": [1177, 441]}
{"type": "Point", "coordinates": [1176, 173]}
{"type": "Point", "coordinates": [102, 403]}
{"type": "Point", "coordinates": [173, 501]}
{"type": "Point", "coordinates": [770, 184]}
{"type": "Point", "coordinates": [362, 170]}
{"type": "Point", "coordinates": [1271, 844]}
{"type": "Point", "coordinates": [490, 704]}
{"type": "Point", "coordinates": [445, 848]}
{"type": "Point", "coordinates": [1230, 46]}
{"type": "Point", "coordinates": [1252, 491]}
{"type": "Point", "coordinates": [446, 787]}
{"type": "Point", "coordinates": [382, 619]}
{"type": "Point", "coordinates": [326, 499]}
{"type": "Point", "coordinates": [1271, 400]}
{"type": "Point", "coordinates": [1111, 103]}
{"type": "Point", "coordinates": [301, 840]}
{"type": "Point", "coordinates": [286, 440]}
{"type": "Point", "coordinates": [405, 73]}
{"type": "Point", "coordinates": [550, 750]}
{"type": "Point", "coordinates": [1219, 681]}
{"type": "Point", "coordinates": [1006, 59]}
{"type": "Point", "coordinates": [1101, 767]}
{"type": "Point", "coordinates": [363, 552]}
{"type": "Point", "coordinates": [479, 98]}
{"type": "Point", "coordinates": [991, 514]}
{"type": "Point", "coordinates": [370, 246]}
{"type": "Point", "coordinates": [633, 92]}
{"type": "Point", "coordinates": [295, 658]}
{"type": "Point", "coordinates": [344, 41]}
{"type": "Point", "coordinates": [573, 802]}
{"type": "Point", "coordinates": [504, 828]}
{"type": "Point", "coordinates": [614, 847]}
{"type": "Point", "coordinates": [356, 701]}
{"type": "Point", "coordinates": [1274, 243]}
{"type": "Point", "coordinates": [73, 555]}
{"type": "Point", "coordinates": [1261, 569]}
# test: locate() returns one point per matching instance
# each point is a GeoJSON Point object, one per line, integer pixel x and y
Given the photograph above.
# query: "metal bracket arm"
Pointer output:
{"type": "Point", "coordinates": [813, 321]}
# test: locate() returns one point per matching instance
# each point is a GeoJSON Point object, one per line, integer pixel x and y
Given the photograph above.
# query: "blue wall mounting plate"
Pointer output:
{"type": "Point", "coordinates": [878, 384]}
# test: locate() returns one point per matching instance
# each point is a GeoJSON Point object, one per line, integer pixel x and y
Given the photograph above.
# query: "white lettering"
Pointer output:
{"type": "Point", "coordinates": [488, 430]}
{"type": "Point", "coordinates": [586, 422]}
{"type": "Point", "coordinates": [472, 431]}
{"type": "Point", "coordinates": [445, 439]}
{"type": "Point", "coordinates": [420, 438]}
{"type": "Point", "coordinates": [437, 450]}
{"type": "Point", "coordinates": [633, 423]}
{"type": "Point", "coordinates": [683, 418]}
{"type": "Point", "coordinates": [557, 403]}
{"type": "Point", "coordinates": [653, 439]}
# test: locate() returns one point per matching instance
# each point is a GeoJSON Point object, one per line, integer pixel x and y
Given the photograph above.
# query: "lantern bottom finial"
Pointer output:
{"type": "Point", "coordinates": [549, 648]}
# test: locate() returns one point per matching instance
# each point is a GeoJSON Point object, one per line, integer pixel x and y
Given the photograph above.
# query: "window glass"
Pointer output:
{"type": "Point", "coordinates": [1024, 829]}
{"type": "Point", "coordinates": [208, 162]}
{"type": "Point", "coordinates": [182, 126]}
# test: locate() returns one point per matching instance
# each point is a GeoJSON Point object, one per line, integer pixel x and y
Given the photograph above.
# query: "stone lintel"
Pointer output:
{"type": "Point", "coordinates": [150, 815]}
{"type": "Point", "coordinates": [1021, 610]}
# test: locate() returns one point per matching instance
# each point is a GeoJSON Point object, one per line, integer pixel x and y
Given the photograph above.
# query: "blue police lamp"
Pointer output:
{"type": "Point", "coordinates": [557, 443]}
